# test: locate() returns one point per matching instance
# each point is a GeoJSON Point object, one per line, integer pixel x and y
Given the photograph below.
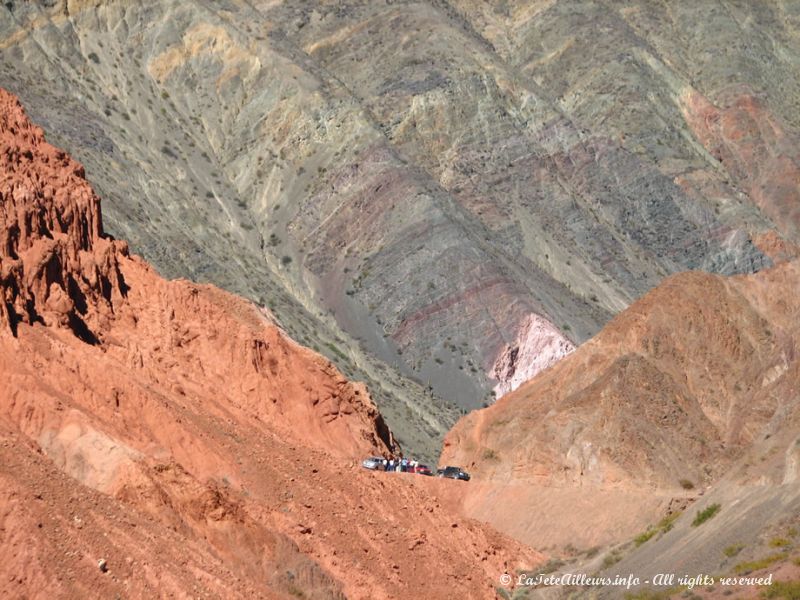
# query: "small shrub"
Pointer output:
{"type": "Point", "coordinates": [667, 522]}
{"type": "Point", "coordinates": [286, 260]}
{"type": "Point", "coordinates": [94, 58]}
{"type": "Point", "coordinates": [705, 514]}
{"type": "Point", "coordinates": [643, 537]}
{"type": "Point", "coordinates": [686, 484]}
{"type": "Point", "coordinates": [779, 542]}
{"type": "Point", "coordinates": [733, 550]}
{"type": "Point", "coordinates": [489, 454]}
{"type": "Point", "coordinates": [663, 526]}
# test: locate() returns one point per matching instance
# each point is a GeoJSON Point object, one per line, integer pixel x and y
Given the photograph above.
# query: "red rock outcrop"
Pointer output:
{"type": "Point", "coordinates": [173, 430]}
{"type": "Point", "coordinates": [56, 266]}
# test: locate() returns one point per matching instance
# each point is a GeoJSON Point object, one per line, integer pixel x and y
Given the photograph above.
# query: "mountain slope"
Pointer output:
{"type": "Point", "coordinates": [693, 387]}
{"type": "Point", "coordinates": [175, 432]}
{"type": "Point", "coordinates": [412, 186]}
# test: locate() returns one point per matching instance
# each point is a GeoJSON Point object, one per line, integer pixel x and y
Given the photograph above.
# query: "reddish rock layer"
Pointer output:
{"type": "Point", "coordinates": [173, 430]}
{"type": "Point", "coordinates": [753, 147]}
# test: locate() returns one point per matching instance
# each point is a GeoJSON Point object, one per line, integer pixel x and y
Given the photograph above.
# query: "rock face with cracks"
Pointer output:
{"type": "Point", "coordinates": [175, 432]}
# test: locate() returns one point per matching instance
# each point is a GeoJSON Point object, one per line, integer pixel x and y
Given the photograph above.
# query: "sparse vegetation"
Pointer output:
{"type": "Point", "coordinates": [663, 526]}
{"type": "Point", "coordinates": [733, 550]}
{"type": "Point", "coordinates": [286, 260]}
{"type": "Point", "coordinates": [686, 484]}
{"type": "Point", "coordinates": [704, 515]}
{"type": "Point", "coordinates": [333, 348]}
{"type": "Point", "coordinates": [644, 537]}
{"type": "Point", "coordinates": [612, 558]}
{"type": "Point", "coordinates": [779, 542]}
{"type": "Point", "coordinates": [94, 58]}
{"type": "Point", "coordinates": [756, 565]}
{"type": "Point", "coordinates": [667, 522]}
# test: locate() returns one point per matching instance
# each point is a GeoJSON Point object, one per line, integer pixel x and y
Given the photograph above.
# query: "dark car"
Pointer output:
{"type": "Point", "coordinates": [423, 470]}
{"type": "Point", "coordinates": [453, 473]}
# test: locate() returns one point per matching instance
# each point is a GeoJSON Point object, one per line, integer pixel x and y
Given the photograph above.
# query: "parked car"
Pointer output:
{"type": "Point", "coordinates": [453, 473]}
{"type": "Point", "coordinates": [423, 470]}
{"type": "Point", "coordinates": [374, 463]}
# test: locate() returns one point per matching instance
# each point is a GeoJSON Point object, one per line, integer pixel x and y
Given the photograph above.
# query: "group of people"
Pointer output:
{"type": "Point", "coordinates": [400, 465]}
